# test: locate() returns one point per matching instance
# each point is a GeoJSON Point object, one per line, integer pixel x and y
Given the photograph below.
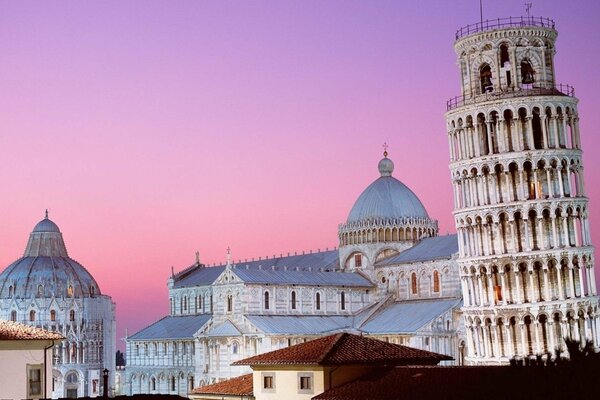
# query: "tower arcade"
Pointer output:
{"type": "Point", "coordinates": [525, 254]}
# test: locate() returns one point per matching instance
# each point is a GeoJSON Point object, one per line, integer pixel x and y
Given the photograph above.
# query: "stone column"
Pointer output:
{"type": "Point", "coordinates": [555, 243]}
{"type": "Point", "coordinates": [524, 344]}
{"type": "Point", "coordinates": [536, 326]}
{"type": "Point", "coordinates": [550, 332]}
{"type": "Point", "coordinates": [546, 143]}
{"type": "Point", "coordinates": [481, 296]}
{"type": "Point", "coordinates": [581, 287]}
{"type": "Point", "coordinates": [556, 140]}
{"type": "Point", "coordinates": [571, 281]}
{"type": "Point", "coordinates": [561, 292]}
{"type": "Point", "coordinates": [546, 285]}
{"type": "Point", "coordinates": [530, 141]}
{"type": "Point", "coordinates": [518, 285]}
{"type": "Point", "coordinates": [510, 341]}
{"type": "Point", "coordinates": [496, 344]}
{"type": "Point", "coordinates": [503, 282]}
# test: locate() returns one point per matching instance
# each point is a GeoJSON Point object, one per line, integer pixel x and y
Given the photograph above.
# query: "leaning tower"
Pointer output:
{"type": "Point", "coordinates": [525, 254]}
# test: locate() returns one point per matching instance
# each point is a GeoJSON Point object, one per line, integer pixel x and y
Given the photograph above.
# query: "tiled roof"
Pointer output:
{"type": "Point", "coordinates": [300, 324]}
{"type": "Point", "coordinates": [201, 275]}
{"type": "Point", "coordinates": [345, 349]}
{"type": "Point", "coordinates": [301, 277]}
{"type": "Point", "coordinates": [429, 249]}
{"type": "Point", "coordinates": [407, 316]}
{"type": "Point", "coordinates": [10, 330]}
{"type": "Point", "coordinates": [239, 386]}
{"type": "Point", "coordinates": [173, 327]}
{"type": "Point", "coordinates": [469, 383]}
{"type": "Point", "coordinates": [227, 328]}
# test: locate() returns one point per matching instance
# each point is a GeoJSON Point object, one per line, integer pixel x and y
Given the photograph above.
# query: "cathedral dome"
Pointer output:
{"type": "Point", "coordinates": [386, 198]}
{"type": "Point", "coordinates": [45, 270]}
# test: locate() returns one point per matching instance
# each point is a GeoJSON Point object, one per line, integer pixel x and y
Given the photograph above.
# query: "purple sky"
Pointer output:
{"type": "Point", "coordinates": [154, 129]}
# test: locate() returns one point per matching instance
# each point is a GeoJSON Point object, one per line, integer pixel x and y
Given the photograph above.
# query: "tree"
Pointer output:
{"type": "Point", "coordinates": [120, 359]}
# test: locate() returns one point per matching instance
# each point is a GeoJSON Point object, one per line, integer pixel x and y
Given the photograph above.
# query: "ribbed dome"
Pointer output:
{"type": "Point", "coordinates": [45, 270]}
{"type": "Point", "coordinates": [387, 198]}
{"type": "Point", "coordinates": [46, 225]}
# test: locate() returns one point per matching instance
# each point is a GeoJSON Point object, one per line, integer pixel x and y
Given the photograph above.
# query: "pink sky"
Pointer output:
{"type": "Point", "coordinates": [154, 129]}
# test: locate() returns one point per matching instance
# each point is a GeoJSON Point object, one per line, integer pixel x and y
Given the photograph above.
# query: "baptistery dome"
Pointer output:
{"type": "Point", "coordinates": [48, 289]}
{"type": "Point", "coordinates": [386, 198]}
{"type": "Point", "coordinates": [46, 270]}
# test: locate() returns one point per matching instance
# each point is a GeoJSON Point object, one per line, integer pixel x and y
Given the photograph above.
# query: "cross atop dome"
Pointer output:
{"type": "Point", "coordinates": [386, 166]}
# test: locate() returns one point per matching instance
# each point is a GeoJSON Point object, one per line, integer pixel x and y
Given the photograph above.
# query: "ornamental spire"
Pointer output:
{"type": "Point", "coordinates": [385, 147]}
{"type": "Point", "coordinates": [46, 214]}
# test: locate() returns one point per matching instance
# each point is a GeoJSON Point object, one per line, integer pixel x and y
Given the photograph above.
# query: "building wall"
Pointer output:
{"type": "Point", "coordinates": [286, 383]}
{"type": "Point", "coordinates": [15, 357]}
{"type": "Point", "coordinates": [89, 331]}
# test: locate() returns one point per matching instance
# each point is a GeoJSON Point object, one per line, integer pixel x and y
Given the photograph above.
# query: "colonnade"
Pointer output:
{"type": "Point", "coordinates": [78, 352]}
{"type": "Point", "coordinates": [523, 232]}
{"type": "Point", "coordinates": [520, 181]}
{"type": "Point", "coordinates": [510, 336]}
{"type": "Point", "coordinates": [387, 231]}
{"type": "Point", "coordinates": [497, 132]}
{"type": "Point", "coordinates": [531, 282]}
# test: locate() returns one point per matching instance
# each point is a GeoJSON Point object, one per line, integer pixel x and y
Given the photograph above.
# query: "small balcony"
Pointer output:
{"type": "Point", "coordinates": [500, 23]}
{"type": "Point", "coordinates": [555, 90]}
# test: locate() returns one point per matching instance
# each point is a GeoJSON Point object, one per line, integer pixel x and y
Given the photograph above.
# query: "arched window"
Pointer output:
{"type": "Point", "coordinates": [10, 292]}
{"type": "Point", "coordinates": [485, 76]}
{"type": "Point", "coordinates": [32, 315]}
{"type": "Point", "coordinates": [74, 352]}
{"type": "Point", "coordinates": [266, 300]}
{"type": "Point", "coordinates": [153, 383]}
{"type": "Point", "coordinates": [436, 282]}
{"type": "Point", "coordinates": [71, 378]}
{"type": "Point", "coordinates": [527, 72]}
{"type": "Point", "coordinates": [70, 291]}
{"type": "Point", "coordinates": [293, 299]}
{"type": "Point", "coordinates": [358, 260]}
{"type": "Point", "coordinates": [413, 283]}
{"type": "Point", "coordinates": [229, 303]}
{"type": "Point", "coordinates": [172, 383]}
{"type": "Point", "coordinates": [318, 301]}
{"type": "Point", "coordinates": [40, 291]}
{"type": "Point", "coordinates": [52, 315]}
{"type": "Point", "coordinates": [13, 315]}
{"type": "Point", "coordinates": [72, 315]}
{"type": "Point", "coordinates": [343, 300]}
{"type": "Point", "coordinates": [234, 348]}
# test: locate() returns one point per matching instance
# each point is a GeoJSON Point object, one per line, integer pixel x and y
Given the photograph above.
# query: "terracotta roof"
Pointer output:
{"type": "Point", "coordinates": [10, 330]}
{"type": "Point", "coordinates": [345, 348]}
{"type": "Point", "coordinates": [240, 386]}
{"type": "Point", "coordinates": [469, 383]}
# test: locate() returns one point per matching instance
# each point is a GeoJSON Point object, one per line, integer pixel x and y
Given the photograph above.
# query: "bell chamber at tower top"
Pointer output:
{"type": "Point", "coordinates": [506, 57]}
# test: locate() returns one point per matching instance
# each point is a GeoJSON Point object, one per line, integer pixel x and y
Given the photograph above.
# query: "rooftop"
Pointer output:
{"type": "Point", "coordinates": [173, 327]}
{"type": "Point", "coordinates": [198, 275]}
{"type": "Point", "coordinates": [428, 249]}
{"type": "Point", "coordinates": [10, 330]}
{"type": "Point", "coordinates": [345, 349]}
{"type": "Point", "coordinates": [239, 386]}
{"type": "Point", "coordinates": [501, 23]}
{"type": "Point", "coordinates": [467, 383]}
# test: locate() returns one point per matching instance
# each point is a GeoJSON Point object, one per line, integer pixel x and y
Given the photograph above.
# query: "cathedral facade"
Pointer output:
{"type": "Point", "coordinates": [392, 278]}
{"type": "Point", "coordinates": [47, 289]}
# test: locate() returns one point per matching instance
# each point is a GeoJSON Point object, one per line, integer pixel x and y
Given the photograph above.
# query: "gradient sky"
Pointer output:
{"type": "Point", "coordinates": [153, 129]}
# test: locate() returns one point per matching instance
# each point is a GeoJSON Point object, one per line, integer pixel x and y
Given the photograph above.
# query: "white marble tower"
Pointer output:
{"type": "Point", "coordinates": [525, 254]}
